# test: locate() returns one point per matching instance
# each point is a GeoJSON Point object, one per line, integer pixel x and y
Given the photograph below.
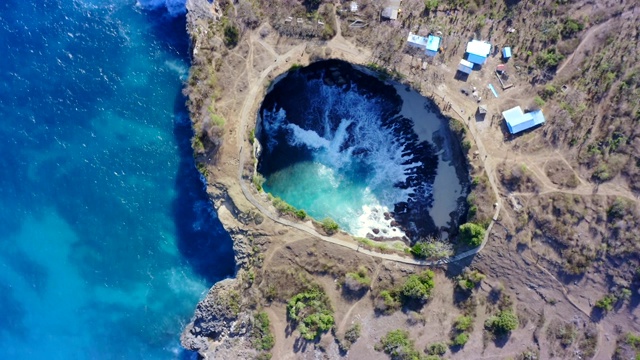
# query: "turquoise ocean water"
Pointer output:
{"type": "Point", "coordinates": [107, 241]}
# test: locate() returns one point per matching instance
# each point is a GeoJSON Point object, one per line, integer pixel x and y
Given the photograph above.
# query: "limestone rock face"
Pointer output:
{"type": "Point", "coordinates": [215, 322]}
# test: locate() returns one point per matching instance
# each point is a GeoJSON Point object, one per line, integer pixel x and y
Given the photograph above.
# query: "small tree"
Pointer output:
{"type": "Point", "coordinates": [418, 287]}
{"type": "Point", "coordinates": [472, 234]}
{"type": "Point", "coordinates": [460, 340]}
{"type": "Point", "coordinates": [503, 323]}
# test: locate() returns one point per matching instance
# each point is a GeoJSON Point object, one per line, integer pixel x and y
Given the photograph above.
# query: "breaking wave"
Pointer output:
{"type": "Point", "coordinates": [351, 157]}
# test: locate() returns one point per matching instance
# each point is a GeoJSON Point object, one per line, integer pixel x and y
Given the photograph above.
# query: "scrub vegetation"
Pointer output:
{"type": "Point", "coordinates": [311, 313]}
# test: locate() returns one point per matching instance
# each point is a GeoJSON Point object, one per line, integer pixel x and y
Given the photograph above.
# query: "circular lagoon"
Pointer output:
{"type": "Point", "coordinates": [376, 157]}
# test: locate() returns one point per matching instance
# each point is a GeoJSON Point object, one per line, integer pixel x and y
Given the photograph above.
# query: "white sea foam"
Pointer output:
{"type": "Point", "coordinates": [357, 139]}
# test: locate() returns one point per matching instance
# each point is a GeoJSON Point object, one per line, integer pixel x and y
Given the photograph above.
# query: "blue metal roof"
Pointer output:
{"type": "Point", "coordinates": [518, 121]}
{"type": "Point", "coordinates": [476, 59]}
{"type": "Point", "coordinates": [506, 52]}
{"type": "Point", "coordinates": [433, 43]}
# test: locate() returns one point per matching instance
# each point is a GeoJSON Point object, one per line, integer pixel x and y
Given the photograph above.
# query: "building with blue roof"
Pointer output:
{"type": "Point", "coordinates": [506, 53]}
{"type": "Point", "coordinates": [433, 44]}
{"type": "Point", "coordinates": [430, 44]}
{"type": "Point", "coordinates": [478, 51]}
{"type": "Point", "coordinates": [518, 121]}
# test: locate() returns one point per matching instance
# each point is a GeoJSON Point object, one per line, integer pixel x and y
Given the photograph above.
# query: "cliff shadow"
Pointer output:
{"type": "Point", "coordinates": [201, 239]}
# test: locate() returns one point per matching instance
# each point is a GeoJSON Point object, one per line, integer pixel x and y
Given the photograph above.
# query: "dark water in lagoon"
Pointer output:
{"type": "Point", "coordinates": [107, 238]}
{"type": "Point", "coordinates": [338, 143]}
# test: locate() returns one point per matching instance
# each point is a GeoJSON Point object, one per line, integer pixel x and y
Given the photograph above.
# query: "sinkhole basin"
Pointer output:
{"type": "Point", "coordinates": [375, 156]}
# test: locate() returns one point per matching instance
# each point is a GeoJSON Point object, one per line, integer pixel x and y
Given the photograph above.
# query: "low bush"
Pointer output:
{"type": "Point", "coordinates": [398, 346]}
{"type": "Point", "coordinates": [460, 339]}
{"type": "Point", "coordinates": [463, 323]}
{"type": "Point", "coordinates": [357, 281]}
{"type": "Point", "coordinates": [310, 312]}
{"type": "Point", "coordinates": [418, 287]}
{"type": "Point", "coordinates": [330, 226]}
{"type": "Point", "coordinates": [261, 336]}
{"type": "Point", "coordinates": [503, 323]}
{"type": "Point", "coordinates": [436, 349]}
{"type": "Point", "coordinates": [606, 302]}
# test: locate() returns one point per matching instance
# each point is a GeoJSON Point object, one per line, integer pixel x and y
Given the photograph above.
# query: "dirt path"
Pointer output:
{"type": "Point", "coordinates": [587, 39]}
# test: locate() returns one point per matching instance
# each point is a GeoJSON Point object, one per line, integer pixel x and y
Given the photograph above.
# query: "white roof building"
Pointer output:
{"type": "Point", "coordinates": [465, 66]}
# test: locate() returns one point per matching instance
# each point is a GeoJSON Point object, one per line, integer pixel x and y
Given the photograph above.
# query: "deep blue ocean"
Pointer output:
{"type": "Point", "coordinates": [107, 240]}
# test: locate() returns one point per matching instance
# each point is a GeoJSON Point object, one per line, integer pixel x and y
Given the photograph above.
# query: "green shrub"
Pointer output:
{"type": "Point", "coordinates": [571, 27]}
{"type": "Point", "coordinates": [472, 234]}
{"type": "Point", "coordinates": [463, 323]}
{"type": "Point", "coordinates": [252, 136]}
{"type": "Point", "coordinates": [361, 276]}
{"type": "Point", "coordinates": [330, 226]}
{"type": "Point", "coordinates": [231, 36]}
{"type": "Point", "coordinates": [503, 323]}
{"type": "Point", "coordinates": [460, 339]}
{"type": "Point", "coordinates": [418, 287]}
{"type": "Point", "coordinates": [436, 349]}
{"type": "Point", "coordinates": [202, 168]}
{"type": "Point", "coordinates": [301, 214]}
{"type": "Point", "coordinates": [262, 337]}
{"type": "Point", "coordinates": [549, 59]}
{"type": "Point", "coordinates": [310, 312]}
{"type": "Point", "coordinates": [539, 101]}
{"type": "Point", "coordinates": [398, 346]}
{"type": "Point", "coordinates": [430, 5]}
{"type": "Point", "coordinates": [258, 181]}
{"type": "Point", "coordinates": [606, 303]}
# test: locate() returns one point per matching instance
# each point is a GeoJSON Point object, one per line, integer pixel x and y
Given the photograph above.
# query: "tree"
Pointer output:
{"type": "Point", "coordinates": [418, 287]}
{"type": "Point", "coordinates": [398, 346]}
{"type": "Point", "coordinates": [503, 323]}
{"type": "Point", "coordinates": [460, 340]}
{"type": "Point", "coordinates": [472, 234]}
{"type": "Point", "coordinates": [430, 5]}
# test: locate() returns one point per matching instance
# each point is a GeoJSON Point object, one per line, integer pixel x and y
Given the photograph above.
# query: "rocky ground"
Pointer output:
{"type": "Point", "coordinates": [562, 241]}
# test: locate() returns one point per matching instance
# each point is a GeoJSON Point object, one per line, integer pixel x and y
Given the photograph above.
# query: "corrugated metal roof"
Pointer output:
{"type": "Point", "coordinates": [480, 48]}
{"type": "Point", "coordinates": [480, 60]}
{"type": "Point", "coordinates": [465, 66]}
{"type": "Point", "coordinates": [506, 52]}
{"type": "Point", "coordinates": [518, 121]}
{"type": "Point", "coordinates": [433, 43]}
{"type": "Point", "coordinates": [417, 40]}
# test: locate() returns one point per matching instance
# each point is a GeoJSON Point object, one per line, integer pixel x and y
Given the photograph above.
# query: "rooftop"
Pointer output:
{"type": "Point", "coordinates": [518, 121]}
{"type": "Point", "coordinates": [478, 51]}
{"type": "Point", "coordinates": [417, 40]}
{"type": "Point", "coordinates": [433, 43]}
{"type": "Point", "coordinates": [465, 66]}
